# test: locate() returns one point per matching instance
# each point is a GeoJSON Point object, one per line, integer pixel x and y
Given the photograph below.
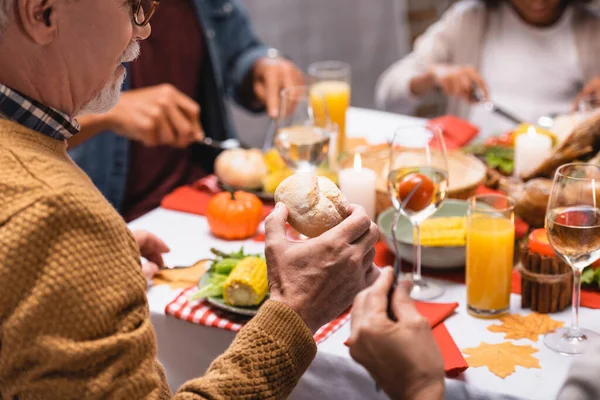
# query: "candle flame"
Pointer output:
{"type": "Point", "coordinates": [531, 131]}
{"type": "Point", "coordinates": [357, 162]}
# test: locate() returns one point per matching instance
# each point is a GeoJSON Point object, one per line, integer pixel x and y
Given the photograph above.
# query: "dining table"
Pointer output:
{"type": "Point", "coordinates": [186, 349]}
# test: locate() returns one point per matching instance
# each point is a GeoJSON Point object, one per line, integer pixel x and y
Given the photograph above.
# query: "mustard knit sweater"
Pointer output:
{"type": "Point", "coordinates": [74, 319]}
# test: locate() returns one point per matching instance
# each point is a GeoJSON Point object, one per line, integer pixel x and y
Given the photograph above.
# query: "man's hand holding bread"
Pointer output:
{"type": "Point", "coordinates": [318, 277]}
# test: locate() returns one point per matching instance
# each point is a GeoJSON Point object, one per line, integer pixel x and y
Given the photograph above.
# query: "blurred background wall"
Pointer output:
{"type": "Point", "coordinates": [368, 34]}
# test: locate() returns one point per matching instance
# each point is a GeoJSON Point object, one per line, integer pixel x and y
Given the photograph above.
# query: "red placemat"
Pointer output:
{"type": "Point", "coordinates": [384, 256]}
{"type": "Point", "coordinates": [457, 132]}
{"type": "Point", "coordinates": [194, 199]}
{"type": "Point", "coordinates": [201, 313]}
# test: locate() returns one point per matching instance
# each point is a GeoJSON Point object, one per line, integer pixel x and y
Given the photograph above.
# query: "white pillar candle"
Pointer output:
{"type": "Point", "coordinates": [358, 185]}
{"type": "Point", "coordinates": [531, 149]}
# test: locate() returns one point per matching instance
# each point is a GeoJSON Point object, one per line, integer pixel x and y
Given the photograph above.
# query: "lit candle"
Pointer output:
{"type": "Point", "coordinates": [358, 185]}
{"type": "Point", "coordinates": [531, 149]}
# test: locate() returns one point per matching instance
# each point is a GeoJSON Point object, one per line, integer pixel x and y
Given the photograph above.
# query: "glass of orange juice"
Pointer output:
{"type": "Point", "coordinates": [331, 79]}
{"type": "Point", "coordinates": [490, 252]}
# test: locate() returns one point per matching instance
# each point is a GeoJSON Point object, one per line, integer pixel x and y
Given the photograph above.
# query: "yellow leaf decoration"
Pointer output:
{"type": "Point", "coordinates": [530, 327]}
{"type": "Point", "coordinates": [501, 359]}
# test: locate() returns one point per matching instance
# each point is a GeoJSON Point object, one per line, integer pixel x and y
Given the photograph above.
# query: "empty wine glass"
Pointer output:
{"type": "Point", "coordinates": [573, 225]}
{"type": "Point", "coordinates": [417, 183]}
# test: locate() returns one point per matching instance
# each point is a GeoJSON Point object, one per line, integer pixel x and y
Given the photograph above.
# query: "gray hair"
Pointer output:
{"type": "Point", "coordinates": [5, 12]}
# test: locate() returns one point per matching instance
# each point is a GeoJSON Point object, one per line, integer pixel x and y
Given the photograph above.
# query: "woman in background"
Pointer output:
{"type": "Point", "coordinates": [532, 57]}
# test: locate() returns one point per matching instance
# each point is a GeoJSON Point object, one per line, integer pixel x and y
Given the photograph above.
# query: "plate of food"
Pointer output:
{"type": "Point", "coordinates": [235, 282]}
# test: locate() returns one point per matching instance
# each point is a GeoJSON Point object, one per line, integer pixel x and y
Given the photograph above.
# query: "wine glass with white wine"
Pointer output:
{"type": "Point", "coordinates": [418, 184]}
{"type": "Point", "coordinates": [303, 129]}
{"type": "Point", "coordinates": [573, 225]}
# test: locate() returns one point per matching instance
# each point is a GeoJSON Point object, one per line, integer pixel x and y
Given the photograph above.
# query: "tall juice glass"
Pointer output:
{"type": "Point", "coordinates": [331, 79]}
{"type": "Point", "coordinates": [490, 254]}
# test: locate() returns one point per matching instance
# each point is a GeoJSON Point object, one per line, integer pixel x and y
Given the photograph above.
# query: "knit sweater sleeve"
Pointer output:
{"type": "Point", "coordinates": [266, 360]}
{"type": "Point", "coordinates": [74, 319]}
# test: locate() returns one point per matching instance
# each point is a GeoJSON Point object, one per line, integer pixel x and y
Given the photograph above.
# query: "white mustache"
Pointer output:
{"type": "Point", "coordinates": [131, 52]}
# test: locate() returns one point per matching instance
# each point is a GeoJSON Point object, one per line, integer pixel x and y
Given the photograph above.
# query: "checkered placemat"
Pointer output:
{"type": "Point", "coordinates": [201, 313]}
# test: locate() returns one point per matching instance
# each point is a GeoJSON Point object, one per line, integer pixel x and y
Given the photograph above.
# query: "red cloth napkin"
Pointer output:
{"type": "Point", "coordinates": [454, 362]}
{"type": "Point", "coordinates": [457, 132]}
{"type": "Point", "coordinates": [201, 313]}
{"type": "Point", "coordinates": [194, 199]}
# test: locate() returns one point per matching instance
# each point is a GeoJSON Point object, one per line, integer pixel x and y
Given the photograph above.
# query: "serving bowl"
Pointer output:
{"type": "Point", "coordinates": [447, 257]}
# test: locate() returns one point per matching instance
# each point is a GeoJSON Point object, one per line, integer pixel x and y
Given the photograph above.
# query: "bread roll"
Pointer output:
{"type": "Point", "coordinates": [315, 204]}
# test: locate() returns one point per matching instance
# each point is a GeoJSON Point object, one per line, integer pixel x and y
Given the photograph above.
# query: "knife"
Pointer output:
{"type": "Point", "coordinates": [480, 97]}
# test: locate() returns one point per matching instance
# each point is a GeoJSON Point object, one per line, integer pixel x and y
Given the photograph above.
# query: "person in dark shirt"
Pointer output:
{"type": "Point", "coordinates": [199, 53]}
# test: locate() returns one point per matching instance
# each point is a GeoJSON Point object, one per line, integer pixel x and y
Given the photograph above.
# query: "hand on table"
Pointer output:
{"type": "Point", "coordinates": [590, 90]}
{"type": "Point", "coordinates": [270, 76]}
{"type": "Point", "coordinates": [402, 356]}
{"type": "Point", "coordinates": [157, 115]}
{"type": "Point", "coordinates": [458, 81]}
{"type": "Point", "coordinates": [319, 277]}
{"type": "Point", "coordinates": [152, 249]}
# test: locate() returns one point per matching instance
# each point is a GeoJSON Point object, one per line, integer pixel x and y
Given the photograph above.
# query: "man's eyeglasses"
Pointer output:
{"type": "Point", "coordinates": [143, 10]}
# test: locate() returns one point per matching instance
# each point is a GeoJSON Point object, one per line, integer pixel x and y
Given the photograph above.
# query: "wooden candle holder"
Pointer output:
{"type": "Point", "coordinates": [546, 282]}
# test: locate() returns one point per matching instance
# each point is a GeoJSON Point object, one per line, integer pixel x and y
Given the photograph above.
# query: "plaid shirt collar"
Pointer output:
{"type": "Point", "coordinates": [35, 116]}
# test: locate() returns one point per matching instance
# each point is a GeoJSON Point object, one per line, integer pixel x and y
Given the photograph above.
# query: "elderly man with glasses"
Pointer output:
{"type": "Point", "coordinates": [74, 320]}
{"type": "Point", "coordinates": [200, 54]}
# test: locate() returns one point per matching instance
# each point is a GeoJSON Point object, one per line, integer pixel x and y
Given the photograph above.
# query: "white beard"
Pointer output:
{"type": "Point", "coordinates": [109, 95]}
{"type": "Point", "coordinates": [106, 99]}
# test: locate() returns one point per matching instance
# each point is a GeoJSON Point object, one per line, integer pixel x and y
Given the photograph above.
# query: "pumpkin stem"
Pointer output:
{"type": "Point", "coordinates": [230, 190]}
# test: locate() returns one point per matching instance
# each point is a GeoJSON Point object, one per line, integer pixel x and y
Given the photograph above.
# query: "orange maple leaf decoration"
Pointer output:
{"type": "Point", "coordinates": [530, 327]}
{"type": "Point", "coordinates": [501, 359]}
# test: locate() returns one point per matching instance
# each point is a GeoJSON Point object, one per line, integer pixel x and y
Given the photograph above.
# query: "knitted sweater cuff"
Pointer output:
{"type": "Point", "coordinates": [283, 324]}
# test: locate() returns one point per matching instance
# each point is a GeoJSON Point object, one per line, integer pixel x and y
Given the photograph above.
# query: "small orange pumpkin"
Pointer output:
{"type": "Point", "coordinates": [234, 216]}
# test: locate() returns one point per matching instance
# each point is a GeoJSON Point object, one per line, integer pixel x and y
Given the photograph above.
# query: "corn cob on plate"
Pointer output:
{"type": "Point", "coordinates": [236, 282]}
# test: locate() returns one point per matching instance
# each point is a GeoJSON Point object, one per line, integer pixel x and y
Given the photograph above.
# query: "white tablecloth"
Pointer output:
{"type": "Point", "coordinates": [186, 350]}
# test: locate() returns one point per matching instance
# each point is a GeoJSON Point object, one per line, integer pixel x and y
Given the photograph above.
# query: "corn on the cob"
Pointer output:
{"type": "Point", "coordinates": [247, 284]}
{"type": "Point", "coordinates": [444, 232]}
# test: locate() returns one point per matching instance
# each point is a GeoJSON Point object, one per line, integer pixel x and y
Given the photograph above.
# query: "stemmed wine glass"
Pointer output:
{"type": "Point", "coordinates": [573, 225]}
{"type": "Point", "coordinates": [417, 183]}
{"type": "Point", "coordinates": [303, 129]}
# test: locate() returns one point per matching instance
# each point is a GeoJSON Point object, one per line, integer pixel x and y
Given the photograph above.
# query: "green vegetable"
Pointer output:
{"type": "Point", "coordinates": [226, 265]}
{"type": "Point", "coordinates": [591, 276]}
{"type": "Point", "coordinates": [219, 270]}
{"type": "Point", "coordinates": [238, 255]}
{"type": "Point", "coordinates": [499, 157]}
{"type": "Point", "coordinates": [213, 289]}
